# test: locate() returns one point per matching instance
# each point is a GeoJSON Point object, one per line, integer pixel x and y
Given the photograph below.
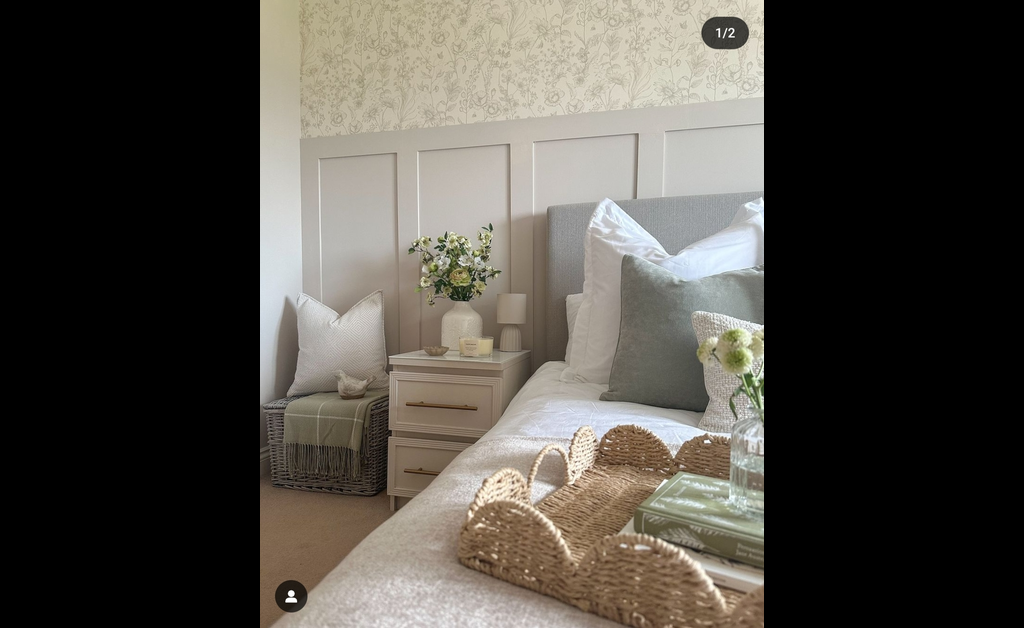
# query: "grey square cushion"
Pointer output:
{"type": "Point", "coordinates": [656, 359]}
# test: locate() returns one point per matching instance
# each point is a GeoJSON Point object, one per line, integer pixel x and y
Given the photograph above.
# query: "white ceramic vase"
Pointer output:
{"type": "Point", "coordinates": [461, 320]}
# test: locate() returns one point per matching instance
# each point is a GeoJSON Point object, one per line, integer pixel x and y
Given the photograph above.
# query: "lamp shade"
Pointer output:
{"type": "Point", "coordinates": [511, 309]}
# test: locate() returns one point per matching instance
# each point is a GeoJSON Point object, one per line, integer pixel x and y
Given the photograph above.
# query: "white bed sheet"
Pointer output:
{"type": "Point", "coordinates": [406, 572]}
{"type": "Point", "coordinates": [547, 406]}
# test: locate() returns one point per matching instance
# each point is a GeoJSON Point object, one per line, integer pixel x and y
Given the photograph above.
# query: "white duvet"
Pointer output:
{"type": "Point", "coordinates": [549, 407]}
{"type": "Point", "coordinates": [406, 572]}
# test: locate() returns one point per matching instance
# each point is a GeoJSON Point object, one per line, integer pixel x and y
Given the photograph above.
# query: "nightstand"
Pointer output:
{"type": "Point", "coordinates": [441, 405]}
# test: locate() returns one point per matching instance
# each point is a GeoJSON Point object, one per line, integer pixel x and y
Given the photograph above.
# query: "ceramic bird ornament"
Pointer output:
{"type": "Point", "coordinates": [350, 387]}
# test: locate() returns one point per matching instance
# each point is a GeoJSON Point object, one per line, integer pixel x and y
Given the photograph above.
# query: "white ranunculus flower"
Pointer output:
{"type": "Point", "coordinates": [757, 347]}
{"type": "Point", "coordinates": [465, 260]}
{"type": "Point", "coordinates": [733, 339]}
{"type": "Point", "coordinates": [424, 282]}
{"type": "Point", "coordinates": [478, 263]}
{"type": "Point", "coordinates": [706, 349]}
{"type": "Point", "coordinates": [479, 286]}
{"type": "Point", "coordinates": [738, 361]}
{"type": "Point", "coordinates": [442, 262]}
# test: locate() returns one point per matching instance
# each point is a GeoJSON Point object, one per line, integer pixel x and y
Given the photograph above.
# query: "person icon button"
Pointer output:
{"type": "Point", "coordinates": [290, 596]}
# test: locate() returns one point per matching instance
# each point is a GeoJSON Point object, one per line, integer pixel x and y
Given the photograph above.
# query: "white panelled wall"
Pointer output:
{"type": "Point", "coordinates": [366, 197]}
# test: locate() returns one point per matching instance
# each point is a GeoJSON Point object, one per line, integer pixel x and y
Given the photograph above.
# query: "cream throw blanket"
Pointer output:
{"type": "Point", "coordinates": [324, 434]}
{"type": "Point", "coordinates": [406, 574]}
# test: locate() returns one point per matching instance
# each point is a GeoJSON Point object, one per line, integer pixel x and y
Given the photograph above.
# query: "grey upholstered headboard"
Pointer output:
{"type": "Point", "coordinates": [677, 222]}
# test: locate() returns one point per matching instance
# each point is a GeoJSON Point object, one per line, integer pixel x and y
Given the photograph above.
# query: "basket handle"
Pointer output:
{"type": "Point", "coordinates": [540, 458]}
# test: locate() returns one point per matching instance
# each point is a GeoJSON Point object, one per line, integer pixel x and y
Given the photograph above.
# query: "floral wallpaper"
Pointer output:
{"type": "Point", "coordinates": [382, 65]}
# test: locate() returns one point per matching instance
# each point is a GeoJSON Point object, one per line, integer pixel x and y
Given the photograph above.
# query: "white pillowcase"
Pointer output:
{"type": "Point", "coordinates": [572, 308]}
{"type": "Point", "coordinates": [611, 234]}
{"type": "Point", "coordinates": [329, 342]}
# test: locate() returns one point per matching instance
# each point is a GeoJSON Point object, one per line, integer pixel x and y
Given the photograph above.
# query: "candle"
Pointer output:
{"type": "Point", "coordinates": [469, 347]}
{"type": "Point", "coordinates": [472, 347]}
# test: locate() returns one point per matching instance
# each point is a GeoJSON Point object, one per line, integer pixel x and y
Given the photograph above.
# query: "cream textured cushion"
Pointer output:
{"type": "Point", "coordinates": [352, 342]}
{"type": "Point", "coordinates": [721, 385]}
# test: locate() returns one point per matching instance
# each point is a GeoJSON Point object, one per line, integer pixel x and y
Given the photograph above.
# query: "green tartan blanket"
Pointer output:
{"type": "Point", "coordinates": [324, 434]}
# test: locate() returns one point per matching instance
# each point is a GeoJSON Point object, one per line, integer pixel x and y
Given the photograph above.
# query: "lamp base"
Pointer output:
{"type": "Point", "coordinates": [511, 338]}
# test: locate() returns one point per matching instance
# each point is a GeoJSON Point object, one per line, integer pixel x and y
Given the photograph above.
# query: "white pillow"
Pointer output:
{"type": "Point", "coordinates": [572, 308]}
{"type": "Point", "coordinates": [721, 385]}
{"type": "Point", "coordinates": [610, 235]}
{"type": "Point", "coordinates": [329, 342]}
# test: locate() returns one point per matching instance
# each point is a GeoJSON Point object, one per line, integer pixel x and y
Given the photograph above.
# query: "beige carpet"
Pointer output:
{"type": "Point", "coordinates": [303, 536]}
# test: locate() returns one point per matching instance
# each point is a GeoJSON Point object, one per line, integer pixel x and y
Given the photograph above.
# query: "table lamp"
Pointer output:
{"type": "Point", "coordinates": [511, 314]}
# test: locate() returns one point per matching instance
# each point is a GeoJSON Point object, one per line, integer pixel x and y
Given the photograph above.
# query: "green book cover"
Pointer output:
{"type": "Point", "coordinates": [694, 511]}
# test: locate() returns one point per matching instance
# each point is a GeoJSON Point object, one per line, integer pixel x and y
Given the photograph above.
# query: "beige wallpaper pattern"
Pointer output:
{"type": "Point", "coordinates": [381, 65]}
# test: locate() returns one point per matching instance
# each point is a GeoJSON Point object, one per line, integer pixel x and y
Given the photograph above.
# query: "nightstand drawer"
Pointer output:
{"type": "Point", "coordinates": [453, 405]}
{"type": "Point", "coordinates": [414, 463]}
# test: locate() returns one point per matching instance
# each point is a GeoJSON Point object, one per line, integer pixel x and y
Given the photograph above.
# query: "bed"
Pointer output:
{"type": "Point", "coordinates": [406, 572]}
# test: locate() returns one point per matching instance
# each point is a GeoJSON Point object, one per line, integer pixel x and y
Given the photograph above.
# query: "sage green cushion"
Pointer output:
{"type": "Point", "coordinates": [656, 359]}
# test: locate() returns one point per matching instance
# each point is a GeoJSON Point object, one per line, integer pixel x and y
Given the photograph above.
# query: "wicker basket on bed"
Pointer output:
{"type": "Point", "coordinates": [567, 545]}
{"type": "Point", "coordinates": [373, 477]}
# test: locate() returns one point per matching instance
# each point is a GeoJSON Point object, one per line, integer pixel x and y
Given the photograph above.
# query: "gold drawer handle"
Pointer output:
{"type": "Point", "coordinates": [420, 471]}
{"type": "Point", "coordinates": [443, 406]}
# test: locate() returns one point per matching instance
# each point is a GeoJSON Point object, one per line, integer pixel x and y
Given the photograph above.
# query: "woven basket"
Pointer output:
{"type": "Point", "coordinates": [567, 545]}
{"type": "Point", "coordinates": [373, 477]}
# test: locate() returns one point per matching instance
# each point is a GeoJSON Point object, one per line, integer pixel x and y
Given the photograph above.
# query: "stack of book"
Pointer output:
{"type": "Point", "coordinates": [694, 511]}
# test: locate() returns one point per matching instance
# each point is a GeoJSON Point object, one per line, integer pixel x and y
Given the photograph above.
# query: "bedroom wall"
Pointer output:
{"type": "Point", "coordinates": [365, 197]}
{"type": "Point", "coordinates": [280, 202]}
{"type": "Point", "coordinates": [371, 65]}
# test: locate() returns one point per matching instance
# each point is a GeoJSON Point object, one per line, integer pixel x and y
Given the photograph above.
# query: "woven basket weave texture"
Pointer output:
{"type": "Point", "coordinates": [373, 477]}
{"type": "Point", "coordinates": [567, 545]}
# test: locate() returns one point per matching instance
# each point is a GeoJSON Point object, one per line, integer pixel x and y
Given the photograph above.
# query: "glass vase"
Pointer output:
{"type": "Point", "coordinates": [746, 465]}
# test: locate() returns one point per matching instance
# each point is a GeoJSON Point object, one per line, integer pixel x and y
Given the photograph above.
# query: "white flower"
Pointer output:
{"type": "Point", "coordinates": [757, 347]}
{"type": "Point", "coordinates": [733, 339]}
{"type": "Point", "coordinates": [465, 260]}
{"type": "Point", "coordinates": [424, 282]}
{"type": "Point", "coordinates": [425, 270]}
{"type": "Point", "coordinates": [478, 263]}
{"type": "Point", "coordinates": [442, 262]}
{"type": "Point", "coordinates": [453, 240]}
{"type": "Point", "coordinates": [706, 349]}
{"type": "Point", "coordinates": [737, 362]}
{"type": "Point", "coordinates": [757, 343]}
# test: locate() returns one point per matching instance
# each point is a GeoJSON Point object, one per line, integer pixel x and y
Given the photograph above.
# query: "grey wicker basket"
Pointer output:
{"type": "Point", "coordinates": [373, 477]}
